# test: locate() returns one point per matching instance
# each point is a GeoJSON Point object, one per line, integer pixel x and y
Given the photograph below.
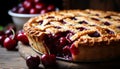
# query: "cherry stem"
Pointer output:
{"type": "Point", "coordinates": [13, 33]}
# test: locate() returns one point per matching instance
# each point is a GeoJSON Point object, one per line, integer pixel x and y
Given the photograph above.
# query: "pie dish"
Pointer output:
{"type": "Point", "coordinates": [77, 35]}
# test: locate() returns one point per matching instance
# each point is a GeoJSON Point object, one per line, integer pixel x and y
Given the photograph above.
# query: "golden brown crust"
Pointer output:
{"type": "Point", "coordinates": [105, 23]}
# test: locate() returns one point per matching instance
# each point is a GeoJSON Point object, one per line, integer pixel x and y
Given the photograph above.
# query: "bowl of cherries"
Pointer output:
{"type": "Point", "coordinates": [29, 8]}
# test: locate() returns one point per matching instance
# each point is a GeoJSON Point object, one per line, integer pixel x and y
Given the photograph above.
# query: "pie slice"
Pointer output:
{"type": "Point", "coordinates": [77, 35]}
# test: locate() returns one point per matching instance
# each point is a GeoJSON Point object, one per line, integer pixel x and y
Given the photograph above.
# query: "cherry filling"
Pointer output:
{"type": "Point", "coordinates": [109, 31]}
{"type": "Point", "coordinates": [109, 17]}
{"type": "Point", "coordinates": [107, 23]}
{"type": "Point", "coordinates": [40, 22]}
{"type": "Point", "coordinates": [62, 21]}
{"type": "Point", "coordinates": [94, 34]}
{"type": "Point", "coordinates": [81, 28]}
{"type": "Point", "coordinates": [73, 18]}
{"type": "Point", "coordinates": [50, 17]}
{"type": "Point", "coordinates": [82, 22]}
{"type": "Point", "coordinates": [59, 44]}
{"type": "Point", "coordinates": [95, 19]}
{"type": "Point", "coordinates": [118, 27]}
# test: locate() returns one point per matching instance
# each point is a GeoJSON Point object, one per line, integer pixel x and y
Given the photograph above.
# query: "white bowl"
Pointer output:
{"type": "Point", "coordinates": [20, 19]}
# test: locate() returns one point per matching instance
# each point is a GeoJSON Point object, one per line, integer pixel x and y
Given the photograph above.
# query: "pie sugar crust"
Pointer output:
{"type": "Point", "coordinates": [77, 35]}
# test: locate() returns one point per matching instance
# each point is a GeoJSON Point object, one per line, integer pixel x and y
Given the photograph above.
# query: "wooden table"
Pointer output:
{"type": "Point", "coordinates": [11, 60]}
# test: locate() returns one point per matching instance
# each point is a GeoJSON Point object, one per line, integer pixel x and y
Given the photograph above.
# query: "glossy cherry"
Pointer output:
{"type": "Point", "coordinates": [2, 38]}
{"type": "Point", "coordinates": [48, 60]}
{"type": "Point", "coordinates": [43, 11]}
{"type": "Point", "coordinates": [10, 43]}
{"type": "Point", "coordinates": [33, 62]}
{"type": "Point", "coordinates": [8, 32]}
{"type": "Point", "coordinates": [51, 7]}
{"type": "Point", "coordinates": [15, 9]}
{"type": "Point", "coordinates": [33, 11]}
{"type": "Point", "coordinates": [23, 38]}
{"type": "Point", "coordinates": [27, 4]}
{"type": "Point", "coordinates": [40, 6]}
{"type": "Point", "coordinates": [22, 10]}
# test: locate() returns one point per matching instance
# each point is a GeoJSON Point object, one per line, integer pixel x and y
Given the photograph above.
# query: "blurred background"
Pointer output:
{"type": "Point", "coordinates": [112, 5]}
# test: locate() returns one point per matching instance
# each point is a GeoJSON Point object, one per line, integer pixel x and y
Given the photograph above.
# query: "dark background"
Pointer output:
{"type": "Point", "coordinates": [5, 5]}
{"type": "Point", "coordinates": [113, 5]}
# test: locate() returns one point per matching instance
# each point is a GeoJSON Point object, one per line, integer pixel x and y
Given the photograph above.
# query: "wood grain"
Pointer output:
{"type": "Point", "coordinates": [11, 60]}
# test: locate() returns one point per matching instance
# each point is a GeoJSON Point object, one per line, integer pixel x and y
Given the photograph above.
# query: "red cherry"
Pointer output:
{"type": "Point", "coordinates": [74, 50]}
{"type": "Point", "coordinates": [22, 10]}
{"type": "Point", "coordinates": [23, 38]}
{"type": "Point", "coordinates": [9, 43]}
{"type": "Point", "coordinates": [33, 11]}
{"type": "Point", "coordinates": [43, 11]}
{"type": "Point", "coordinates": [51, 8]}
{"type": "Point", "coordinates": [63, 41]}
{"type": "Point", "coordinates": [36, 1]}
{"type": "Point", "coordinates": [30, 0]}
{"type": "Point", "coordinates": [40, 6]}
{"type": "Point", "coordinates": [15, 9]}
{"type": "Point", "coordinates": [2, 38]}
{"type": "Point", "coordinates": [27, 4]}
{"type": "Point", "coordinates": [20, 31]}
{"type": "Point", "coordinates": [33, 62]}
{"type": "Point", "coordinates": [8, 32]}
{"type": "Point", "coordinates": [48, 59]}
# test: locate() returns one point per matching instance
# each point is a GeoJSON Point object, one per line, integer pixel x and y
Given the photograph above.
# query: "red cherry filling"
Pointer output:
{"type": "Point", "coordinates": [83, 22]}
{"type": "Point", "coordinates": [118, 27]}
{"type": "Point", "coordinates": [94, 34]}
{"type": "Point", "coordinates": [59, 44]}
{"type": "Point", "coordinates": [95, 19]}
{"type": "Point", "coordinates": [109, 17]}
{"type": "Point", "coordinates": [109, 31]}
{"type": "Point", "coordinates": [107, 23]}
{"type": "Point", "coordinates": [73, 18]}
{"type": "Point", "coordinates": [81, 28]}
{"type": "Point", "coordinates": [74, 50]}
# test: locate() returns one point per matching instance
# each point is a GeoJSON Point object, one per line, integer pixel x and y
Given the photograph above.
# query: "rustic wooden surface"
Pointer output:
{"type": "Point", "coordinates": [111, 64]}
{"type": "Point", "coordinates": [11, 60]}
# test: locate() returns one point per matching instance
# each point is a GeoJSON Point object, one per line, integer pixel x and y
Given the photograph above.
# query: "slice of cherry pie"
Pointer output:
{"type": "Point", "coordinates": [77, 35]}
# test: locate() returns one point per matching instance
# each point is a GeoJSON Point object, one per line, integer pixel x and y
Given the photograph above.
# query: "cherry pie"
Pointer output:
{"type": "Point", "coordinates": [77, 35]}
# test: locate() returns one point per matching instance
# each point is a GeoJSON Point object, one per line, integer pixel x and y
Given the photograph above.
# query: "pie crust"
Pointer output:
{"type": "Point", "coordinates": [95, 34]}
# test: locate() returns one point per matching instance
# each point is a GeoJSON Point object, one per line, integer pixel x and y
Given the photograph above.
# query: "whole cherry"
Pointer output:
{"type": "Point", "coordinates": [48, 60]}
{"type": "Point", "coordinates": [33, 11]}
{"type": "Point", "coordinates": [2, 38]}
{"type": "Point", "coordinates": [23, 38]}
{"type": "Point", "coordinates": [10, 43]}
{"type": "Point", "coordinates": [33, 62]}
{"type": "Point", "coordinates": [51, 7]}
{"type": "Point", "coordinates": [27, 4]}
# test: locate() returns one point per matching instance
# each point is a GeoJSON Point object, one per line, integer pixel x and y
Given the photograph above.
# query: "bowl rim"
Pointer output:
{"type": "Point", "coordinates": [21, 15]}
